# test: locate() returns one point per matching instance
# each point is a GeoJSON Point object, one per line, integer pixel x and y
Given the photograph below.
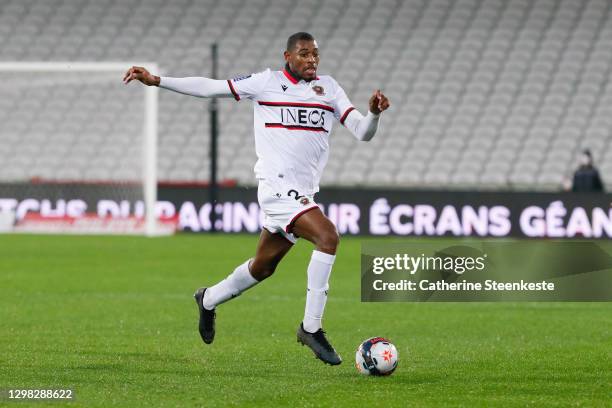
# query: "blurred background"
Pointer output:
{"type": "Point", "coordinates": [495, 95]}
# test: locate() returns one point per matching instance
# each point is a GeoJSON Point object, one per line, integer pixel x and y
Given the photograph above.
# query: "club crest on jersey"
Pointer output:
{"type": "Point", "coordinates": [304, 201]}
{"type": "Point", "coordinates": [318, 89]}
{"type": "Point", "coordinates": [240, 78]}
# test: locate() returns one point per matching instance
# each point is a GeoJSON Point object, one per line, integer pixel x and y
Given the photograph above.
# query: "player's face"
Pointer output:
{"type": "Point", "coordinates": [304, 59]}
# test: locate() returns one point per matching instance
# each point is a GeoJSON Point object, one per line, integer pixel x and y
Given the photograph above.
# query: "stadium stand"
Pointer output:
{"type": "Point", "coordinates": [486, 94]}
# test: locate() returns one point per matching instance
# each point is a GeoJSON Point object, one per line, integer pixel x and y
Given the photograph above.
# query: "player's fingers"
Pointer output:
{"type": "Point", "coordinates": [382, 102]}
{"type": "Point", "coordinates": [134, 72]}
{"type": "Point", "coordinates": [373, 100]}
{"type": "Point", "coordinates": [378, 99]}
{"type": "Point", "coordinates": [127, 74]}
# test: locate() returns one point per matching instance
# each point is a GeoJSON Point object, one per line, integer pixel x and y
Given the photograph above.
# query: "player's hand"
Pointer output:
{"type": "Point", "coordinates": [142, 75]}
{"type": "Point", "coordinates": [378, 102]}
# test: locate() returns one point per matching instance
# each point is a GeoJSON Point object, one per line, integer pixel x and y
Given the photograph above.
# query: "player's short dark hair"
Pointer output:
{"type": "Point", "coordinates": [294, 38]}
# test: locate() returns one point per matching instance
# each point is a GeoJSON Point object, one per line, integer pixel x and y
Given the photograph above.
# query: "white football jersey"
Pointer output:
{"type": "Point", "coordinates": [293, 121]}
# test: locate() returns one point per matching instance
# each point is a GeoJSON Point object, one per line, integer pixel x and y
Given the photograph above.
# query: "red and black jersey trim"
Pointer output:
{"type": "Point", "coordinates": [345, 115]}
{"type": "Point", "coordinates": [296, 127]}
{"type": "Point", "coordinates": [297, 105]}
{"type": "Point", "coordinates": [290, 77]}
{"type": "Point", "coordinates": [231, 87]}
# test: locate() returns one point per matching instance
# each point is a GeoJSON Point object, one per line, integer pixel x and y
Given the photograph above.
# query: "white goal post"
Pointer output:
{"type": "Point", "coordinates": [150, 114]}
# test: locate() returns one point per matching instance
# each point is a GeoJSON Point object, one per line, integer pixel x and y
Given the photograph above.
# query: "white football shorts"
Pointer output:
{"type": "Point", "coordinates": [282, 206]}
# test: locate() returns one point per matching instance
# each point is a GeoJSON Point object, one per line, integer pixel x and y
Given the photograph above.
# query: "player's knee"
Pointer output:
{"type": "Point", "coordinates": [262, 271]}
{"type": "Point", "coordinates": [328, 241]}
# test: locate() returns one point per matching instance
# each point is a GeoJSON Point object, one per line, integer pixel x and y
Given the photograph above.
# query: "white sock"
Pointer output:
{"type": "Point", "coordinates": [230, 287]}
{"type": "Point", "coordinates": [319, 269]}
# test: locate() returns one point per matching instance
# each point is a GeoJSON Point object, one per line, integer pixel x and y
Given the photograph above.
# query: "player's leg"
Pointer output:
{"type": "Point", "coordinates": [270, 250]}
{"type": "Point", "coordinates": [318, 229]}
{"type": "Point", "coordinates": [315, 227]}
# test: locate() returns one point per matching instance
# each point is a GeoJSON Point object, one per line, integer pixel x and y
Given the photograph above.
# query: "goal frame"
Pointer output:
{"type": "Point", "coordinates": [150, 128]}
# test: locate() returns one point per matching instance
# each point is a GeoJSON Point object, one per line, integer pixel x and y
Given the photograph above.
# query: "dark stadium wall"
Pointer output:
{"type": "Point", "coordinates": [374, 212]}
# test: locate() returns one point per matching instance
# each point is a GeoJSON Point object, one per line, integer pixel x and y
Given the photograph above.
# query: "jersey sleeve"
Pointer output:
{"type": "Point", "coordinates": [342, 105]}
{"type": "Point", "coordinates": [249, 86]}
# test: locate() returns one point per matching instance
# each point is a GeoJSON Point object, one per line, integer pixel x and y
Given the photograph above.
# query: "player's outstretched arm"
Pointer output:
{"type": "Point", "coordinates": [194, 86]}
{"type": "Point", "coordinates": [364, 127]}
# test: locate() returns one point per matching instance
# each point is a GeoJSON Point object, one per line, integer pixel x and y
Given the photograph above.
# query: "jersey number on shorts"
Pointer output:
{"type": "Point", "coordinates": [295, 194]}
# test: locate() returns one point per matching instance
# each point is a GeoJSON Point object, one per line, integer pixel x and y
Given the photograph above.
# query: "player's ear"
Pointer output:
{"type": "Point", "coordinates": [287, 55]}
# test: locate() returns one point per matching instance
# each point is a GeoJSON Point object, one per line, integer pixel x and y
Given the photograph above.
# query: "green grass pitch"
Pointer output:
{"type": "Point", "coordinates": [114, 319]}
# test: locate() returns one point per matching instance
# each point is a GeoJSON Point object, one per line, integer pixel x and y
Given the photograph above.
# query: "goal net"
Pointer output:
{"type": "Point", "coordinates": [78, 149]}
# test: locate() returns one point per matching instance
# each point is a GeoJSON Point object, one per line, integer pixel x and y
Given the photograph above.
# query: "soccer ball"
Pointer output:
{"type": "Point", "coordinates": [376, 356]}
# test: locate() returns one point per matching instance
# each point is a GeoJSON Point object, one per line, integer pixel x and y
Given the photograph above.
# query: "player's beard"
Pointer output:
{"type": "Point", "coordinates": [312, 73]}
{"type": "Point", "coordinates": [298, 76]}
